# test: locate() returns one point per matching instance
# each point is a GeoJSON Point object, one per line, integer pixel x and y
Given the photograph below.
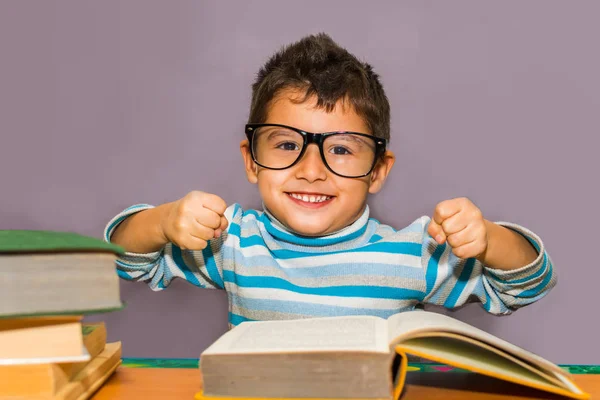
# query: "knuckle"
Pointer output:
{"type": "Point", "coordinates": [432, 228]}
{"type": "Point", "coordinates": [184, 206]}
{"type": "Point", "coordinates": [217, 203]}
{"type": "Point", "coordinates": [207, 222]}
{"type": "Point", "coordinates": [195, 197]}
{"type": "Point", "coordinates": [460, 253]}
{"type": "Point", "coordinates": [179, 225]}
{"type": "Point", "coordinates": [452, 240]}
{"type": "Point", "coordinates": [191, 196]}
{"type": "Point", "coordinates": [210, 233]}
{"type": "Point", "coordinates": [220, 205]}
{"type": "Point", "coordinates": [439, 207]}
{"type": "Point", "coordinates": [464, 201]}
{"type": "Point", "coordinates": [442, 209]}
{"type": "Point", "coordinates": [446, 225]}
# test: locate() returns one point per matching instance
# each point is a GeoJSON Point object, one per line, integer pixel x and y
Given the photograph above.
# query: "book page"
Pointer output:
{"type": "Point", "coordinates": [85, 356]}
{"type": "Point", "coordinates": [404, 325]}
{"type": "Point", "coordinates": [453, 351]}
{"type": "Point", "coordinates": [355, 333]}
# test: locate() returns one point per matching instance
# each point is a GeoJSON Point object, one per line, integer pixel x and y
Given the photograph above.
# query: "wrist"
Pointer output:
{"type": "Point", "coordinates": [162, 213]}
{"type": "Point", "coordinates": [506, 249]}
{"type": "Point", "coordinates": [490, 228]}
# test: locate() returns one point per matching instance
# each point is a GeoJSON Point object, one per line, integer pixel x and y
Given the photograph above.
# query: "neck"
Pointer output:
{"type": "Point", "coordinates": [282, 232]}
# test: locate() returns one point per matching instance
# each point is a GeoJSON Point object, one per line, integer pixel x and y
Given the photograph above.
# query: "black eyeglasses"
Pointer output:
{"type": "Point", "coordinates": [347, 154]}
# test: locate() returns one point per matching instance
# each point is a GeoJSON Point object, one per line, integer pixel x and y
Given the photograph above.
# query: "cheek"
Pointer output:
{"type": "Point", "coordinates": [269, 180]}
{"type": "Point", "coordinates": [354, 189]}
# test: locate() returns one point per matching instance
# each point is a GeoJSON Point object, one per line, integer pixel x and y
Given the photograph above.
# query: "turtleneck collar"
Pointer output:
{"type": "Point", "coordinates": [281, 233]}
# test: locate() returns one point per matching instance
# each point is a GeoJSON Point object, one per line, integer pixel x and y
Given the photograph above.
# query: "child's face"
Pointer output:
{"type": "Point", "coordinates": [310, 176]}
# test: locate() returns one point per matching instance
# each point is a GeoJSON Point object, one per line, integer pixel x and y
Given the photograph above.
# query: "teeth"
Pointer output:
{"type": "Point", "coordinates": [310, 199]}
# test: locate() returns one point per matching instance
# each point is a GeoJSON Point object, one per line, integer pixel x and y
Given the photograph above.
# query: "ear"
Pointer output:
{"type": "Point", "coordinates": [249, 164]}
{"type": "Point", "coordinates": [381, 171]}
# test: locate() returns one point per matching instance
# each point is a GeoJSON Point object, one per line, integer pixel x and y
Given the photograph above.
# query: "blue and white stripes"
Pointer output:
{"type": "Point", "coordinates": [367, 268]}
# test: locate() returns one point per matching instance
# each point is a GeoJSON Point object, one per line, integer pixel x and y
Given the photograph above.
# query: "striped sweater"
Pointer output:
{"type": "Point", "coordinates": [366, 268]}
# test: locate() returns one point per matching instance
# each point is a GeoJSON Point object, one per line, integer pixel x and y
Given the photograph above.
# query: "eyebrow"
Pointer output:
{"type": "Point", "coordinates": [351, 137]}
{"type": "Point", "coordinates": [280, 132]}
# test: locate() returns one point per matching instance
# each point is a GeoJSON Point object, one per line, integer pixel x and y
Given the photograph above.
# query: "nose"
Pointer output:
{"type": "Point", "coordinates": [311, 166]}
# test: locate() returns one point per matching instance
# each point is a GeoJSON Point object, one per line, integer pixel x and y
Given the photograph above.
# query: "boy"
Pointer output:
{"type": "Point", "coordinates": [316, 147]}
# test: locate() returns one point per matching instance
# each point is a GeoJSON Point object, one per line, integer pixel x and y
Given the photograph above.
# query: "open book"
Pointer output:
{"type": "Point", "coordinates": [362, 357]}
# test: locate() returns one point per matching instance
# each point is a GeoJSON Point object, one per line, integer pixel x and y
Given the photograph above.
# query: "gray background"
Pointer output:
{"type": "Point", "coordinates": [105, 104]}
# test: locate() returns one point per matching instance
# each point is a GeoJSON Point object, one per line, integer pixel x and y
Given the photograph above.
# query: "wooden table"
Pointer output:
{"type": "Point", "coordinates": [184, 383]}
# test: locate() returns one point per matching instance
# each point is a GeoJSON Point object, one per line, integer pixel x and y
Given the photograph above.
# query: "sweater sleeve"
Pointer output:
{"type": "Point", "coordinates": [202, 268]}
{"type": "Point", "coordinates": [452, 282]}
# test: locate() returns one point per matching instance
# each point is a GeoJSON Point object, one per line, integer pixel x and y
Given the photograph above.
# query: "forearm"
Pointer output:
{"type": "Point", "coordinates": [142, 232]}
{"type": "Point", "coordinates": [506, 249]}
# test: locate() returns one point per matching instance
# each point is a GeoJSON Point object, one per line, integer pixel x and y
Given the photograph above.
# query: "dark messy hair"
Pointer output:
{"type": "Point", "coordinates": [320, 67]}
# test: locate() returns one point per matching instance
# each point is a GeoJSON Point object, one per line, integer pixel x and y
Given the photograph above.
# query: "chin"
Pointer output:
{"type": "Point", "coordinates": [307, 229]}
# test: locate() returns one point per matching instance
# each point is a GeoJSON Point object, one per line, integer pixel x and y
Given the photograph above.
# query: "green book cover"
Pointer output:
{"type": "Point", "coordinates": [74, 311]}
{"type": "Point", "coordinates": [28, 241]}
{"type": "Point", "coordinates": [87, 329]}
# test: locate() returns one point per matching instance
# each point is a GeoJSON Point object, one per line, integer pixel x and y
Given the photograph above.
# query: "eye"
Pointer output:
{"type": "Point", "coordinates": [340, 151]}
{"type": "Point", "coordinates": [288, 146]}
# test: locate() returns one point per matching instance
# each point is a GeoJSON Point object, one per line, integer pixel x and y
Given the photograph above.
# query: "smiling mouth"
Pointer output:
{"type": "Point", "coordinates": [310, 198]}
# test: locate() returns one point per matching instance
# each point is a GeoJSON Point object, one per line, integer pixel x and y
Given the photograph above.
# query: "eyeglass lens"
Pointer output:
{"type": "Point", "coordinates": [346, 154]}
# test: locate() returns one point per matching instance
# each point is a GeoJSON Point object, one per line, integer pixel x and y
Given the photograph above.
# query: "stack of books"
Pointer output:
{"type": "Point", "coordinates": [48, 282]}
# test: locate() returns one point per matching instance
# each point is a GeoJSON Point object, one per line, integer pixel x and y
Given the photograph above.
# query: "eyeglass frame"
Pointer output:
{"type": "Point", "coordinates": [318, 139]}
